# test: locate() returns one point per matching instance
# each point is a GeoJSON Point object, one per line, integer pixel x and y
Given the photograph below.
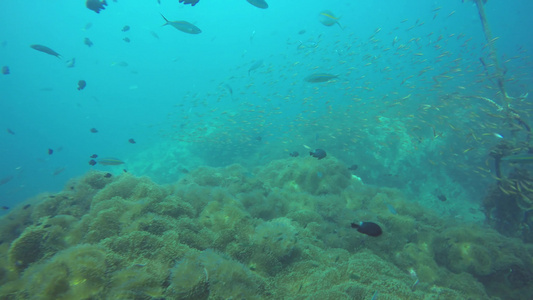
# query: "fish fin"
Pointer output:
{"type": "Point", "coordinates": [167, 22]}
{"type": "Point", "coordinates": [354, 225]}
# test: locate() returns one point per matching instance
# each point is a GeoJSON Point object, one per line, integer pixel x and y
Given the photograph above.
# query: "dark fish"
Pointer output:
{"type": "Point", "coordinates": [50, 151]}
{"type": "Point", "coordinates": [45, 50]}
{"type": "Point", "coordinates": [5, 207]}
{"type": "Point", "coordinates": [127, 39]}
{"type": "Point", "coordinates": [442, 197]}
{"type": "Point", "coordinates": [353, 167]}
{"type": "Point", "coordinates": [110, 161]}
{"type": "Point", "coordinates": [301, 31]}
{"type": "Point", "coordinates": [258, 138]}
{"type": "Point", "coordinates": [94, 130]}
{"type": "Point", "coordinates": [107, 175]}
{"type": "Point", "coordinates": [132, 141]}
{"type": "Point", "coordinates": [294, 154]}
{"type": "Point", "coordinates": [182, 26]}
{"type": "Point", "coordinates": [10, 131]}
{"type": "Point", "coordinates": [258, 3]}
{"type": "Point", "coordinates": [81, 85]}
{"type": "Point", "coordinates": [125, 28]}
{"type": "Point", "coordinates": [5, 70]}
{"type": "Point", "coordinates": [191, 2]}
{"type": "Point", "coordinates": [92, 162]}
{"type": "Point", "coordinates": [318, 153]}
{"type": "Point", "coordinates": [88, 42]}
{"type": "Point", "coordinates": [96, 5]}
{"type": "Point", "coordinates": [320, 77]}
{"type": "Point", "coordinates": [255, 66]}
{"type": "Point", "coordinates": [58, 171]}
{"type": "Point", "coordinates": [94, 156]}
{"type": "Point", "coordinates": [368, 228]}
{"type": "Point", "coordinates": [6, 179]}
{"type": "Point", "coordinates": [26, 206]}
{"type": "Point", "coordinates": [70, 63]}
{"type": "Point", "coordinates": [230, 90]}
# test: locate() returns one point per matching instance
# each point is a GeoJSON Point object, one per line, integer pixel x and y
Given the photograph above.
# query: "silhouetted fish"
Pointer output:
{"type": "Point", "coordinates": [125, 28]}
{"type": "Point", "coordinates": [320, 77]}
{"type": "Point", "coordinates": [5, 70]}
{"type": "Point", "coordinates": [182, 26]}
{"type": "Point", "coordinates": [45, 50]}
{"type": "Point", "coordinates": [368, 228]}
{"type": "Point", "coordinates": [81, 85]}
{"type": "Point", "coordinates": [191, 2]}
{"type": "Point", "coordinates": [96, 5]}
{"type": "Point", "coordinates": [94, 130]}
{"type": "Point", "coordinates": [318, 153]}
{"type": "Point", "coordinates": [87, 42]}
{"type": "Point", "coordinates": [258, 3]}
{"type": "Point", "coordinates": [131, 141]}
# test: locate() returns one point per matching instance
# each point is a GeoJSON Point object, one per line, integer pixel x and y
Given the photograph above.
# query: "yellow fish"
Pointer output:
{"type": "Point", "coordinates": [327, 18]}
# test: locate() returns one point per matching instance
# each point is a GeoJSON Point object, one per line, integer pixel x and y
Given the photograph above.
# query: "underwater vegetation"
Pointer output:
{"type": "Point", "coordinates": [281, 231]}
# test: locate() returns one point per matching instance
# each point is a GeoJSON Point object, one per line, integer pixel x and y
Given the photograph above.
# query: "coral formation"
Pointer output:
{"type": "Point", "coordinates": [221, 233]}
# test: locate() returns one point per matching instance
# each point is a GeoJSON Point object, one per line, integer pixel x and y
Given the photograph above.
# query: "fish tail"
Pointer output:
{"type": "Point", "coordinates": [167, 22]}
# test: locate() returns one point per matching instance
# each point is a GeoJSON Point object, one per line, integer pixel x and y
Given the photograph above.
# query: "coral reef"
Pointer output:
{"type": "Point", "coordinates": [225, 233]}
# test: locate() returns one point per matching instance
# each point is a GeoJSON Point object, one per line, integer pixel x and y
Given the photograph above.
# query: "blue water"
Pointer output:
{"type": "Point", "coordinates": [173, 96]}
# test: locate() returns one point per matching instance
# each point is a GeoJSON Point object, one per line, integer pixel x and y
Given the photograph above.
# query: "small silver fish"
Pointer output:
{"type": "Point", "coordinates": [183, 26]}
{"type": "Point", "coordinates": [320, 77]}
{"type": "Point", "coordinates": [46, 50]}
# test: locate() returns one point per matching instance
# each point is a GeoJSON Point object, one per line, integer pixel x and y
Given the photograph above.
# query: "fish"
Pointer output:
{"type": "Point", "coordinates": [318, 153]}
{"type": "Point", "coordinates": [5, 70]}
{"type": "Point", "coordinates": [92, 162]}
{"type": "Point", "coordinates": [46, 50]}
{"type": "Point", "coordinates": [94, 130]}
{"type": "Point", "coordinates": [182, 26]}
{"type": "Point", "coordinates": [368, 228]}
{"type": "Point", "coordinates": [5, 207]}
{"type": "Point", "coordinates": [70, 63]}
{"type": "Point", "coordinates": [108, 175]}
{"type": "Point", "coordinates": [126, 39]}
{"type": "Point", "coordinates": [258, 3]}
{"type": "Point", "coordinates": [191, 2]}
{"type": "Point", "coordinates": [58, 171]}
{"type": "Point", "coordinates": [50, 151]}
{"type": "Point", "coordinates": [522, 158]}
{"type": "Point", "coordinates": [81, 85]}
{"type": "Point", "coordinates": [294, 154]}
{"type": "Point", "coordinates": [26, 206]}
{"type": "Point", "coordinates": [96, 5]}
{"type": "Point", "coordinates": [110, 161]}
{"type": "Point", "coordinates": [353, 167]}
{"type": "Point", "coordinates": [255, 66]}
{"type": "Point", "coordinates": [10, 131]}
{"type": "Point", "coordinates": [131, 141]}
{"type": "Point", "coordinates": [320, 77]}
{"type": "Point", "coordinates": [327, 18]}
{"type": "Point", "coordinates": [6, 179]}
{"type": "Point", "coordinates": [125, 28]}
{"type": "Point", "coordinates": [87, 42]}
{"type": "Point", "coordinates": [94, 156]}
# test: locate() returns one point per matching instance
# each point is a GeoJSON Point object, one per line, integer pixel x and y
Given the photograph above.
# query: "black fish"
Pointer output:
{"type": "Point", "coordinates": [26, 206]}
{"type": "Point", "coordinates": [107, 175]}
{"type": "Point", "coordinates": [127, 39]}
{"type": "Point", "coordinates": [50, 151]}
{"type": "Point", "coordinates": [88, 42]}
{"type": "Point", "coordinates": [5, 70]}
{"type": "Point", "coordinates": [96, 5]}
{"type": "Point", "coordinates": [353, 168]}
{"type": "Point", "coordinates": [10, 131]}
{"type": "Point", "coordinates": [92, 162]}
{"type": "Point", "coordinates": [132, 141]}
{"type": "Point", "coordinates": [125, 28]}
{"type": "Point", "coordinates": [191, 2]}
{"type": "Point", "coordinates": [5, 207]}
{"type": "Point", "coordinates": [45, 50]}
{"type": "Point", "coordinates": [258, 3]}
{"type": "Point", "coordinates": [258, 138]}
{"type": "Point", "coordinates": [368, 228]}
{"type": "Point", "coordinates": [94, 130]}
{"type": "Point", "coordinates": [81, 85]}
{"type": "Point", "coordinates": [94, 156]}
{"type": "Point", "coordinates": [294, 154]}
{"type": "Point", "coordinates": [318, 153]}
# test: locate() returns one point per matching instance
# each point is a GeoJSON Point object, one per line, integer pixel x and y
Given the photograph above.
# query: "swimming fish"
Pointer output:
{"type": "Point", "coordinates": [131, 141]}
{"type": "Point", "coordinates": [327, 18]}
{"type": "Point", "coordinates": [255, 66]}
{"type": "Point", "coordinates": [45, 50]}
{"type": "Point", "coordinates": [87, 42]}
{"type": "Point", "coordinates": [125, 28]}
{"type": "Point", "coordinates": [258, 3]}
{"type": "Point", "coordinates": [110, 161]}
{"type": "Point", "coordinates": [81, 85]}
{"type": "Point", "coordinates": [126, 39]}
{"type": "Point", "coordinates": [320, 77]}
{"type": "Point", "coordinates": [71, 63]}
{"type": "Point", "coordinates": [94, 130]}
{"type": "Point", "coordinates": [50, 151]}
{"type": "Point", "coordinates": [182, 26]}
{"type": "Point", "coordinates": [294, 154]}
{"type": "Point", "coordinates": [5, 70]}
{"type": "Point", "coordinates": [368, 228]}
{"type": "Point", "coordinates": [318, 153]}
{"type": "Point", "coordinates": [96, 5]}
{"type": "Point", "coordinates": [191, 2]}
{"type": "Point", "coordinates": [523, 158]}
